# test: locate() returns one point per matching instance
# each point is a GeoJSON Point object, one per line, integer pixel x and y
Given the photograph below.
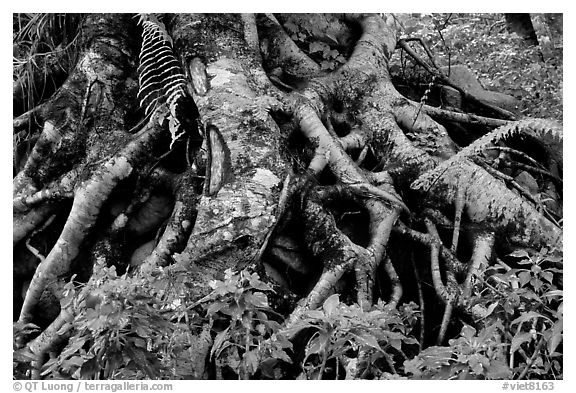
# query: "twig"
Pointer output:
{"type": "Point", "coordinates": [460, 202]}
{"type": "Point", "coordinates": [532, 169]}
{"type": "Point", "coordinates": [532, 358]}
{"type": "Point", "coordinates": [24, 119]}
{"type": "Point", "coordinates": [424, 46]}
{"type": "Point", "coordinates": [463, 117]}
{"type": "Point", "coordinates": [516, 186]}
{"type": "Point", "coordinates": [515, 152]}
{"type": "Point", "coordinates": [420, 300]}
{"type": "Point", "coordinates": [509, 179]}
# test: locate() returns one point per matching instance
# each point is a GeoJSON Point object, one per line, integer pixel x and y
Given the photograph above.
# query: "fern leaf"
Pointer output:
{"type": "Point", "coordinates": [540, 128]}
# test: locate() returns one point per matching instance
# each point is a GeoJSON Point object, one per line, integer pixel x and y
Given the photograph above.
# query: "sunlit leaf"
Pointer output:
{"type": "Point", "coordinates": [519, 339]}
{"type": "Point", "coordinates": [331, 304]}
{"type": "Point", "coordinates": [219, 342]}
{"type": "Point", "coordinates": [369, 340]}
{"type": "Point", "coordinates": [530, 315]}
{"type": "Point", "coordinates": [257, 299]}
{"type": "Point", "coordinates": [556, 336]}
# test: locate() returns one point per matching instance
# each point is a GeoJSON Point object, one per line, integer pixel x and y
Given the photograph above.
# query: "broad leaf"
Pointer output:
{"type": "Point", "coordinates": [519, 339]}
{"type": "Point", "coordinates": [556, 336]}
{"type": "Point", "coordinates": [219, 341]}
{"type": "Point", "coordinates": [369, 340]}
{"type": "Point", "coordinates": [526, 317]}
{"type": "Point", "coordinates": [519, 254]}
{"type": "Point", "coordinates": [257, 299]}
{"type": "Point", "coordinates": [331, 304]}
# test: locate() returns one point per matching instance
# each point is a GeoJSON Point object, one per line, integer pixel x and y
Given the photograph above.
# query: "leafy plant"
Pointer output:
{"type": "Point", "coordinates": [247, 339]}
{"type": "Point", "coordinates": [521, 309]}
{"type": "Point", "coordinates": [315, 38]}
{"type": "Point", "coordinates": [120, 328]}
{"type": "Point", "coordinates": [374, 340]}
{"type": "Point", "coordinates": [42, 41]}
{"type": "Point", "coordinates": [470, 356]}
{"type": "Point", "coordinates": [528, 299]}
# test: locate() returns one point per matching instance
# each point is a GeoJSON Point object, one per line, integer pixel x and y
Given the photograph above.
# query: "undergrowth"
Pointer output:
{"type": "Point", "coordinates": [502, 61]}
{"type": "Point", "coordinates": [128, 328]}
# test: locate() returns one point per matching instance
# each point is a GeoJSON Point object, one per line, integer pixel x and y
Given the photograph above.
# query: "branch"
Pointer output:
{"type": "Point", "coordinates": [446, 80]}
{"type": "Point", "coordinates": [532, 169]}
{"type": "Point", "coordinates": [36, 114]}
{"type": "Point", "coordinates": [459, 208]}
{"type": "Point", "coordinates": [466, 118]}
{"type": "Point", "coordinates": [532, 358]}
{"type": "Point", "coordinates": [514, 152]}
{"type": "Point", "coordinates": [424, 46]}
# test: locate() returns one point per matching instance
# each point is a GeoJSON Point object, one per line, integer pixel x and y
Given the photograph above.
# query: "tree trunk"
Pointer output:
{"type": "Point", "coordinates": [521, 24]}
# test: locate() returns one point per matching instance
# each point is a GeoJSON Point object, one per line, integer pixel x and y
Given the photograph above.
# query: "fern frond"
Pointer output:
{"type": "Point", "coordinates": [153, 19]}
{"type": "Point", "coordinates": [162, 80]}
{"type": "Point", "coordinates": [540, 128]}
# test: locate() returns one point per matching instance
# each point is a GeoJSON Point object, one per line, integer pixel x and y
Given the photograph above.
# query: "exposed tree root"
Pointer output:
{"type": "Point", "coordinates": [360, 149]}
{"type": "Point", "coordinates": [88, 200]}
{"type": "Point", "coordinates": [26, 223]}
{"type": "Point", "coordinates": [62, 189]}
{"type": "Point", "coordinates": [27, 119]}
{"type": "Point", "coordinates": [179, 225]}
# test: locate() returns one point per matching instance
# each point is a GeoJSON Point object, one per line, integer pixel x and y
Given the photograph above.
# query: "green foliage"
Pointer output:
{"type": "Point", "coordinates": [246, 339]}
{"type": "Point", "coordinates": [521, 309]}
{"type": "Point", "coordinates": [470, 356]}
{"type": "Point", "coordinates": [342, 332]}
{"type": "Point", "coordinates": [41, 41]}
{"type": "Point", "coordinates": [506, 63]}
{"type": "Point", "coordinates": [119, 329]}
{"type": "Point", "coordinates": [249, 340]}
{"type": "Point", "coordinates": [315, 37]}
{"type": "Point", "coordinates": [502, 61]}
{"type": "Point", "coordinates": [528, 299]}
